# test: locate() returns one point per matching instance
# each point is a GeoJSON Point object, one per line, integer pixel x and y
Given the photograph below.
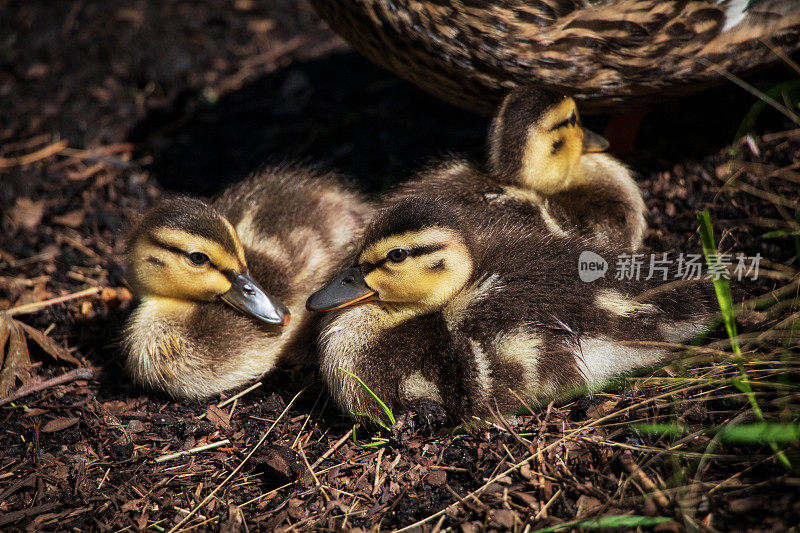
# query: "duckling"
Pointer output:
{"type": "Point", "coordinates": [219, 282]}
{"type": "Point", "coordinates": [605, 53]}
{"type": "Point", "coordinates": [539, 151]}
{"type": "Point", "coordinates": [545, 167]}
{"type": "Point", "coordinates": [477, 312]}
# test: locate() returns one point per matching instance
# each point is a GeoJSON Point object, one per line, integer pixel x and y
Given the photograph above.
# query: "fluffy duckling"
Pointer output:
{"type": "Point", "coordinates": [475, 313]}
{"type": "Point", "coordinates": [548, 171]}
{"type": "Point", "coordinates": [540, 152]}
{"type": "Point", "coordinates": [219, 282]}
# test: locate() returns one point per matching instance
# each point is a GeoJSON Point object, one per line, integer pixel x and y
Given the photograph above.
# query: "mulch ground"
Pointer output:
{"type": "Point", "coordinates": [105, 106]}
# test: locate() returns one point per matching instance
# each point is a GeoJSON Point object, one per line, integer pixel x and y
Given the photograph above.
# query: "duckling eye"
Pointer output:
{"type": "Point", "coordinates": [397, 255]}
{"type": "Point", "coordinates": [199, 258]}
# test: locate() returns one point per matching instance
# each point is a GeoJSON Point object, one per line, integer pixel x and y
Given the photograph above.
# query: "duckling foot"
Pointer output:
{"type": "Point", "coordinates": [425, 419]}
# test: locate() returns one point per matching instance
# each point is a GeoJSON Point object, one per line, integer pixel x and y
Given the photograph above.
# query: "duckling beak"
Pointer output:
{"type": "Point", "coordinates": [348, 288]}
{"type": "Point", "coordinates": [594, 142]}
{"type": "Point", "coordinates": [248, 297]}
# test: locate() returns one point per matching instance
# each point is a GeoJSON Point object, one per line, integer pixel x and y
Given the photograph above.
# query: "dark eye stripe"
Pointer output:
{"type": "Point", "coordinates": [367, 267]}
{"type": "Point", "coordinates": [571, 121]}
{"type": "Point", "coordinates": [175, 249]}
{"type": "Point", "coordinates": [422, 250]}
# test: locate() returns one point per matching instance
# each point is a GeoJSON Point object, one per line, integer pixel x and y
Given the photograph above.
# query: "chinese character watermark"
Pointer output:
{"type": "Point", "coordinates": [663, 267]}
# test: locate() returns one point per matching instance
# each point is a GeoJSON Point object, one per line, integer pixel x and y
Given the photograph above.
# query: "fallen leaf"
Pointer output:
{"type": "Point", "coordinates": [281, 462]}
{"type": "Point", "coordinates": [15, 361]}
{"type": "Point", "coordinates": [132, 505]}
{"type": "Point", "coordinates": [235, 522]}
{"type": "Point", "coordinates": [218, 417]}
{"type": "Point", "coordinates": [5, 331]}
{"type": "Point", "coordinates": [17, 364]}
{"type": "Point", "coordinates": [505, 518]}
{"type": "Point", "coordinates": [59, 424]}
{"type": "Point", "coordinates": [297, 509]}
{"type": "Point", "coordinates": [48, 345]}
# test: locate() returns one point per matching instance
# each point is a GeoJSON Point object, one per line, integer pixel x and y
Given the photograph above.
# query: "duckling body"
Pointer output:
{"type": "Point", "coordinates": [604, 53]}
{"type": "Point", "coordinates": [285, 229]}
{"type": "Point", "coordinates": [478, 312]}
{"type": "Point", "coordinates": [541, 153]}
{"type": "Point", "coordinates": [548, 171]}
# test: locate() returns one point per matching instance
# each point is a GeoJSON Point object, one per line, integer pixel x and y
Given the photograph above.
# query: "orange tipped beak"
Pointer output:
{"type": "Point", "coordinates": [368, 297]}
{"type": "Point", "coordinates": [346, 289]}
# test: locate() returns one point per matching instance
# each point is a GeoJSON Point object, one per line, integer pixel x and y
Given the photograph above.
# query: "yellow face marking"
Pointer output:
{"type": "Point", "coordinates": [428, 280]}
{"type": "Point", "coordinates": [407, 241]}
{"type": "Point", "coordinates": [554, 146]}
{"type": "Point", "coordinates": [189, 242]}
{"type": "Point", "coordinates": [160, 266]}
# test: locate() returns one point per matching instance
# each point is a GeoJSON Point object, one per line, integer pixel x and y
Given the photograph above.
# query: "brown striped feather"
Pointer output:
{"type": "Point", "coordinates": [471, 52]}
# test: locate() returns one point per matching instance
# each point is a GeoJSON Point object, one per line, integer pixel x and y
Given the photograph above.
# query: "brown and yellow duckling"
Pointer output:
{"type": "Point", "coordinates": [543, 165]}
{"type": "Point", "coordinates": [223, 285]}
{"type": "Point", "coordinates": [539, 151]}
{"type": "Point", "coordinates": [474, 312]}
{"type": "Point", "coordinates": [605, 53]}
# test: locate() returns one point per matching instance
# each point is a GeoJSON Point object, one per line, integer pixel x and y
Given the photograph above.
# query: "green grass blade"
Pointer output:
{"type": "Point", "coordinates": [761, 432]}
{"type": "Point", "coordinates": [662, 429]}
{"type": "Point", "coordinates": [367, 445]}
{"type": "Point", "coordinates": [749, 120]}
{"type": "Point", "coordinates": [369, 417]}
{"type": "Point", "coordinates": [756, 433]}
{"type": "Point", "coordinates": [722, 289]}
{"type": "Point", "coordinates": [374, 396]}
{"type": "Point", "coordinates": [780, 233]}
{"type": "Point", "coordinates": [628, 521]}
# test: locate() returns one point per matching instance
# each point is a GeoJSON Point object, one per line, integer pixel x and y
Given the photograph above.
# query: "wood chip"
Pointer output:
{"type": "Point", "coordinates": [59, 424]}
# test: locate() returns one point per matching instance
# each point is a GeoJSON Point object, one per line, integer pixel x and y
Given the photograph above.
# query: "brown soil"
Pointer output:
{"type": "Point", "coordinates": [151, 96]}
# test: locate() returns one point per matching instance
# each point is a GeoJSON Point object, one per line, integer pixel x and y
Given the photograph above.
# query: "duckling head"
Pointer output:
{"type": "Point", "coordinates": [536, 140]}
{"type": "Point", "coordinates": [412, 259]}
{"type": "Point", "coordinates": [184, 251]}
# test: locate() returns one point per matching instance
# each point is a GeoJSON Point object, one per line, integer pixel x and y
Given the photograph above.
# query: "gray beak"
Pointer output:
{"type": "Point", "coordinates": [248, 297]}
{"type": "Point", "coordinates": [348, 288]}
{"type": "Point", "coordinates": [594, 142]}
